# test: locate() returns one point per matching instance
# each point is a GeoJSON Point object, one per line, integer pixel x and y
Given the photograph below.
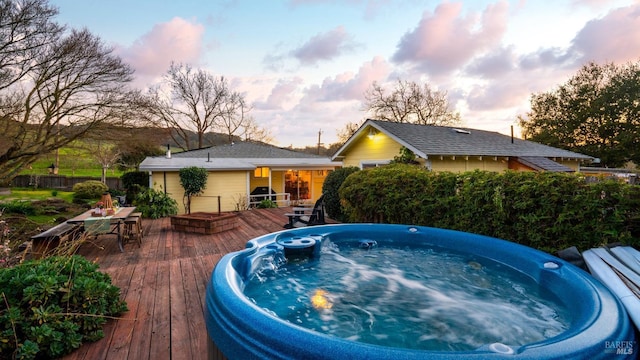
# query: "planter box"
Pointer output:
{"type": "Point", "coordinates": [204, 223]}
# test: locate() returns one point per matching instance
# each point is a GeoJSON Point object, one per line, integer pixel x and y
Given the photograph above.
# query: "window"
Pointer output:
{"type": "Point", "coordinates": [372, 164]}
{"type": "Point", "coordinates": [261, 172]}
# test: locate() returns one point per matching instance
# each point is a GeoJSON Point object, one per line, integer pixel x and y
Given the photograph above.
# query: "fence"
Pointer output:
{"type": "Point", "coordinates": [60, 182]}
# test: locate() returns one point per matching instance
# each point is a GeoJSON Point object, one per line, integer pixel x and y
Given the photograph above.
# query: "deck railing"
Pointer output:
{"type": "Point", "coordinates": [282, 199]}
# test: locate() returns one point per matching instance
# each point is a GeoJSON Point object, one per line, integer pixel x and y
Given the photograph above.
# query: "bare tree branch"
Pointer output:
{"type": "Point", "coordinates": [72, 84]}
{"type": "Point", "coordinates": [199, 102]}
{"type": "Point", "coordinates": [410, 103]}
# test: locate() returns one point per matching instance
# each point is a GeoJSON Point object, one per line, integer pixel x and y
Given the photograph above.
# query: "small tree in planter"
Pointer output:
{"type": "Point", "coordinates": [194, 180]}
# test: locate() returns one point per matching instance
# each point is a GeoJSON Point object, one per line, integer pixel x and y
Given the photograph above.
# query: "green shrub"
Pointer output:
{"type": "Point", "coordinates": [155, 204]}
{"type": "Point", "coordinates": [50, 307]}
{"type": "Point", "coordinates": [134, 182]}
{"type": "Point", "coordinates": [330, 189]}
{"type": "Point", "coordinates": [18, 207]}
{"type": "Point", "coordinates": [88, 190]}
{"type": "Point", "coordinates": [194, 180]}
{"type": "Point", "coordinates": [544, 210]}
{"type": "Point", "coordinates": [267, 204]}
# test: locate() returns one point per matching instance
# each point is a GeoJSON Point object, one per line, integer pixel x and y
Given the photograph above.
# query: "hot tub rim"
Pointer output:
{"type": "Point", "coordinates": [223, 301]}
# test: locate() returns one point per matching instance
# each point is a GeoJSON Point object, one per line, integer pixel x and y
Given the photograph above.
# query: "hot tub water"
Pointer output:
{"type": "Point", "coordinates": [411, 297]}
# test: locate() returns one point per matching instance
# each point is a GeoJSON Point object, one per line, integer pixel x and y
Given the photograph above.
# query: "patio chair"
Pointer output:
{"type": "Point", "coordinates": [303, 216]}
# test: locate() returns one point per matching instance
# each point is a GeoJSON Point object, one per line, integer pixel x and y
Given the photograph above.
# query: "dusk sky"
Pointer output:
{"type": "Point", "coordinates": [304, 65]}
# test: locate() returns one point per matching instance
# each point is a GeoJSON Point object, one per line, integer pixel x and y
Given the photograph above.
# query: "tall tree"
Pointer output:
{"type": "Point", "coordinates": [198, 101]}
{"type": "Point", "coordinates": [408, 102]}
{"type": "Point", "coordinates": [55, 85]}
{"type": "Point", "coordinates": [596, 112]}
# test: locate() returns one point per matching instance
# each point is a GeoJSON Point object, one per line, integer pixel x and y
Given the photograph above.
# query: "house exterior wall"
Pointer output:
{"type": "Point", "coordinates": [317, 180]}
{"type": "Point", "coordinates": [574, 165]}
{"type": "Point", "coordinates": [382, 148]}
{"type": "Point", "coordinates": [365, 150]}
{"type": "Point", "coordinates": [462, 163]}
{"type": "Point", "coordinates": [229, 185]}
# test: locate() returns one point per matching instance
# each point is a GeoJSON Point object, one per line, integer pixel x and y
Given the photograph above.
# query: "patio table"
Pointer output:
{"type": "Point", "coordinates": [111, 224]}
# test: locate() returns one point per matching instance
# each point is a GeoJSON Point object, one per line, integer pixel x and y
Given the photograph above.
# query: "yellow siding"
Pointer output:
{"type": "Point", "coordinates": [171, 186]}
{"type": "Point", "coordinates": [231, 186]}
{"type": "Point", "coordinates": [317, 179]}
{"type": "Point", "coordinates": [381, 147]}
{"type": "Point", "coordinates": [574, 165]}
{"type": "Point", "coordinates": [277, 181]}
{"type": "Point", "coordinates": [461, 164]}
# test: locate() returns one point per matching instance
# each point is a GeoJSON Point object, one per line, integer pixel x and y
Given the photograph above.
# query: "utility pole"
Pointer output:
{"type": "Point", "coordinates": [319, 143]}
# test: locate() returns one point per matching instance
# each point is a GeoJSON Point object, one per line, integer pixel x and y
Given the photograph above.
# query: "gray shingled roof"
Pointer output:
{"type": "Point", "coordinates": [246, 150]}
{"type": "Point", "coordinates": [442, 140]}
{"type": "Point", "coordinates": [543, 163]}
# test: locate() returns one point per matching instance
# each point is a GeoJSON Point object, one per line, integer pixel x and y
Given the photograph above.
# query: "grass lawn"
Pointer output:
{"type": "Point", "coordinates": [72, 162]}
{"type": "Point", "coordinates": [18, 194]}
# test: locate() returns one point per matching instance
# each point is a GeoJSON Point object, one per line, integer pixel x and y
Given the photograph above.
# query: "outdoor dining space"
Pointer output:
{"type": "Point", "coordinates": [123, 222]}
{"type": "Point", "coordinates": [163, 281]}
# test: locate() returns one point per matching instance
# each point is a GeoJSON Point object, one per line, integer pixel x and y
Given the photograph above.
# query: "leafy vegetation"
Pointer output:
{"type": "Point", "coordinates": [544, 210]}
{"type": "Point", "coordinates": [267, 204]}
{"type": "Point", "coordinates": [134, 182]}
{"type": "Point", "coordinates": [194, 180]}
{"type": "Point", "coordinates": [155, 204]}
{"type": "Point", "coordinates": [50, 307]}
{"type": "Point", "coordinates": [330, 189]}
{"type": "Point", "coordinates": [595, 112]}
{"type": "Point", "coordinates": [88, 190]}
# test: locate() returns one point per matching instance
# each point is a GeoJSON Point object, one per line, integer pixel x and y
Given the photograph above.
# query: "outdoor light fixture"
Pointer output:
{"type": "Point", "coordinates": [372, 133]}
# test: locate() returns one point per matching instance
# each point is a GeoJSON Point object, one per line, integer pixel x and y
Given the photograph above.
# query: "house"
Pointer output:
{"type": "Point", "coordinates": [239, 169]}
{"type": "Point", "coordinates": [456, 149]}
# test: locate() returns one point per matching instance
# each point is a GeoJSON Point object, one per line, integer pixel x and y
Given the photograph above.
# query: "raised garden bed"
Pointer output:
{"type": "Point", "coordinates": [204, 222]}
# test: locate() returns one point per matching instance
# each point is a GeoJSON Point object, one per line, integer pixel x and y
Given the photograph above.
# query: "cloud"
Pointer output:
{"type": "Point", "coordinates": [446, 40]}
{"type": "Point", "coordinates": [493, 65]}
{"type": "Point", "coordinates": [348, 86]}
{"type": "Point", "coordinates": [612, 38]}
{"type": "Point", "coordinates": [324, 46]}
{"type": "Point", "coordinates": [282, 93]}
{"type": "Point", "coordinates": [177, 40]}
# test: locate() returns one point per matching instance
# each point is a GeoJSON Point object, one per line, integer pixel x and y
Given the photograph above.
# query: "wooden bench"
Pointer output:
{"type": "Point", "coordinates": [48, 240]}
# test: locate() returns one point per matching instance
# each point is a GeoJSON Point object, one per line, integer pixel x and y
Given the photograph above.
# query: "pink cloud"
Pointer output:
{"type": "Point", "coordinates": [324, 46]}
{"type": "Point", "coordinates": [177, 40]}
{"type": "Point", "coordinates": [280, 94]}
{"type": "Point", "coordinates": [446, 40]}
{"type": "Point", "coordinates": [348, 86]}
{"type": "Point", "coordinates": [612, 38]}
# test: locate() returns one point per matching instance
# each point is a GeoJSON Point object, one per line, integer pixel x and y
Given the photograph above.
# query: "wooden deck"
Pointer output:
{"type": "Point", "coordinates": [163, 283]}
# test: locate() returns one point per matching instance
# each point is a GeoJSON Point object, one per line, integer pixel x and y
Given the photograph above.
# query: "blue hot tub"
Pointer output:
{"type": "Point", "coordinates": [585, 319]}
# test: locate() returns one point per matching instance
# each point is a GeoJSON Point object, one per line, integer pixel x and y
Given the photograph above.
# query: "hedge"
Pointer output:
{"type": "Point", "coordinates": [544, 210]}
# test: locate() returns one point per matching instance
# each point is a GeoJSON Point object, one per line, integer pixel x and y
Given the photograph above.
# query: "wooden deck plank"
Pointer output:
{"type": "Point", "coordinates": [193, 300]}
{"type": "Point", "coordinates": [142, 329]}
{"type": "Point", "coordinates": [180, 337]}
{"type": "Point", "coordinates": [123, 332]}
{"type": "Point", "coordinates": [161, 323]}
{"type": "Point", "coordinates": [164, 283]}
